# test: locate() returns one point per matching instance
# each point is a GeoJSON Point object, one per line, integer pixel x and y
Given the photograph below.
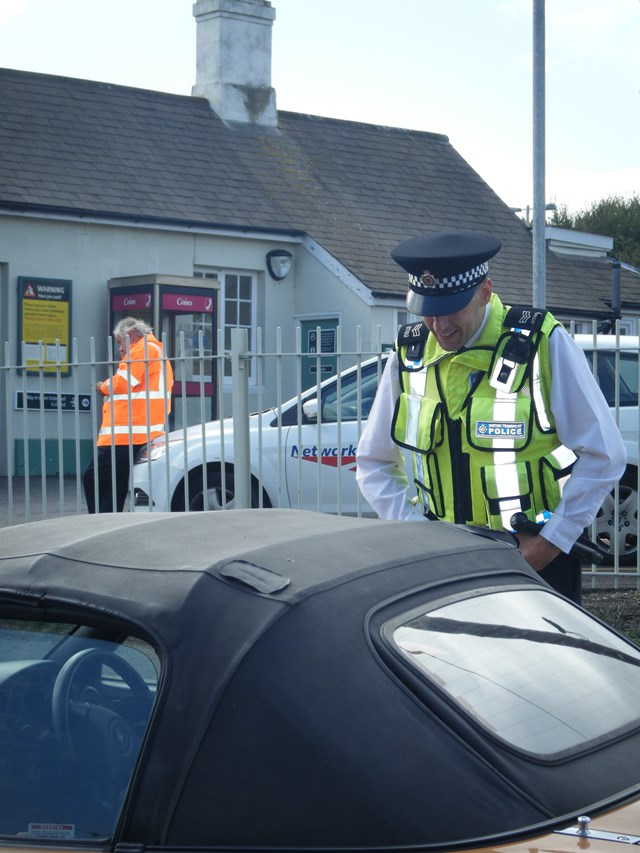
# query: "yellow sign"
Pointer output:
{"type": "Point", "coordinates": [45, 324]}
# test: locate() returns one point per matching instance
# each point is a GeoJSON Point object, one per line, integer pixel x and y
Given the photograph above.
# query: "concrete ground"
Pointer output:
{"type": "Point", "coordinates": [26, 500]}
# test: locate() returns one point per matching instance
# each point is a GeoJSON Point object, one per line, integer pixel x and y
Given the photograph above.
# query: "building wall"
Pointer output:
{"type": "Point", "coordinates": [91, 253]}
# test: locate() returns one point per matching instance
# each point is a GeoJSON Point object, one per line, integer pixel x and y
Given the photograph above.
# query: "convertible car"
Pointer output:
{"type": "Point", "coordinates": [283, 679]}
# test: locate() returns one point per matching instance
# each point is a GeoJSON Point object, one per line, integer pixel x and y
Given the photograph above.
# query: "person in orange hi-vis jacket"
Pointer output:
{"type": "Point", "coordinates": [137, 402]}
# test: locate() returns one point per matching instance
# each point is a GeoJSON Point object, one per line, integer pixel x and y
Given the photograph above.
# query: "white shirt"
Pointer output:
{"type": "Point", "coordinates": [583, 421]}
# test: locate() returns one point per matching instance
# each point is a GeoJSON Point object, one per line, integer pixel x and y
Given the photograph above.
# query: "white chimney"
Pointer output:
{"type": "Point", "coordinates": [233, 59]}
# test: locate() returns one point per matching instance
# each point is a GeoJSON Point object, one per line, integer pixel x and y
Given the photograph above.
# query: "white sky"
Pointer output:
{"type": "Point", "coordinates": [458, 67]}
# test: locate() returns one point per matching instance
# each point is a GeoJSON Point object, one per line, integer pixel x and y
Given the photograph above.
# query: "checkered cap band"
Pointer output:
{"type": "Point", "coordinates": [455, 283]}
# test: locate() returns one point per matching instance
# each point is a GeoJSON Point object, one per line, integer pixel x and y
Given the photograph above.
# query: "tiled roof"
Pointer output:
{"type": "Point", "coordinates": [79, 146]}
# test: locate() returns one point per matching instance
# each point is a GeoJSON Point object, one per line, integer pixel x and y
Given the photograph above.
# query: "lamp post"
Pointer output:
{"type": "Point", "coordinates": [539, 243]}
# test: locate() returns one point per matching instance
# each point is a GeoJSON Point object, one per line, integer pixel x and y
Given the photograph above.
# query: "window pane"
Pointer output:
{"type": "Point", "coordinates": [60, 697]}
{"type": "Point", "coordinates": [231, 286]}
{"type": "Point", "coordinates": [353, 397]}
{"type": "Point", "coordinates": [245, 314]}
{"type": "Point", "coordinates": [628, 379]}
{"type": "Point", "coordinates": [529, 666]}
{"type": "Point", "coordinates": [245, 287]}
{"type": "Point", "coordinates": [231, 313]}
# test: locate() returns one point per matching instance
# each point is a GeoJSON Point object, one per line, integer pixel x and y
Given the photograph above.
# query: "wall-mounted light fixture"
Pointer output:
{"type": "Point", "coordinates": [279, 263]}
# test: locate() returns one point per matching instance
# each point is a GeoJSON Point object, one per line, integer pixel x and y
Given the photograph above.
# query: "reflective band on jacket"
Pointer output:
{"type": "Point", "coordinates": [482, 453]}
{"type": "Point", "coordinates": [133, 430]}
{"type": "Point", "coordinates": [128, 377]}
{"type": "Point", "coordinates": [140, 395]}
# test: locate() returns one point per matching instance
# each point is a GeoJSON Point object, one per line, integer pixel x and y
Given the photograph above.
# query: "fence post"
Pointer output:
{"type": "Point", "coordinates": [240, 408]}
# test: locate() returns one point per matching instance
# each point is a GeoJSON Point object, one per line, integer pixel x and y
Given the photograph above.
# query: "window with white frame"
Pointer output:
{"type": "Point", "coordinates": [237, 305]}
{"type": "Point", "coordinates": [403, 317]}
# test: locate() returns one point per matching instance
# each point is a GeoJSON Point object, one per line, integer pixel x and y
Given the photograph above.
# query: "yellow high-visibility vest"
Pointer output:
{"type": "Point", "coordinates": [479, 422]}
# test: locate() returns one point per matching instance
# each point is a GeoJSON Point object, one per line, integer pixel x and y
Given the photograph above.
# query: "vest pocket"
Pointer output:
{"type": "Point", "coordinates": [498, 426]}
{"type": "Point", "coordinates": [418, 423]}
{"type": "Point", "coordinates": [429, 482]}
{"type": "Point", "coordinates": [507, 489]}
{"type": "Point", "coordinates": [555, 467]}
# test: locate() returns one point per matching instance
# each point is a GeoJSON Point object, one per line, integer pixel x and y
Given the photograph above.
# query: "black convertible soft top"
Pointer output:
{"type": "Point", "coordinates": [280, 721]}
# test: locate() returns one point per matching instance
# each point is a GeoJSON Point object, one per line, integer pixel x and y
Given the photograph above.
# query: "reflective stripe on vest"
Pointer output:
{"type": "Point", "coordinates": [417, 386]}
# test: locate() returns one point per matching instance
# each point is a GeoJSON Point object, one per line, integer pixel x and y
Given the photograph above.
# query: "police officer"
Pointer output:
{"type": "Point", "coordinates": [498, 406]}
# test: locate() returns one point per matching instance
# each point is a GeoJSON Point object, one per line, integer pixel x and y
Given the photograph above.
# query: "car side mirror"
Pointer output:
{"type": "Point", "coordinates": [310, 409]}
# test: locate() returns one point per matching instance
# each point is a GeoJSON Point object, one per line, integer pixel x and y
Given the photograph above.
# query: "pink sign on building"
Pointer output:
{"type": "Point", "coordinates": [130, 301]}
{"type": "Point", "coordinates": [187, 302]}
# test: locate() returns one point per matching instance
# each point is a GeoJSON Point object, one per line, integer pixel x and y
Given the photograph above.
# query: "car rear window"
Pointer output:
{"type": "Point", "coordinates": [528, 666]}
{"type": "Point", "coordinates": [73, 712]}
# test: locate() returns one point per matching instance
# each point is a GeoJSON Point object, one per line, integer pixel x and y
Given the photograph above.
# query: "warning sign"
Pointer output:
{"type": "Point", "coordinates": [44, 324]}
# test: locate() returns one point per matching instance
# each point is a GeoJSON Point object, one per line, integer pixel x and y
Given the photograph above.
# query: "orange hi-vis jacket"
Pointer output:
{"type": "Point", "coordinates": [139, 396]}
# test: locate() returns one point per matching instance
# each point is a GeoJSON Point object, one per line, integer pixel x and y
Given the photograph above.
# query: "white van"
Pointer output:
{"type": "Point", "coordinates": [303, 453]}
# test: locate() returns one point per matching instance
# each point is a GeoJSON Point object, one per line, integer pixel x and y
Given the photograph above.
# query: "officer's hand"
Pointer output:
{"type": "Point", "coordinates": [537, 550]}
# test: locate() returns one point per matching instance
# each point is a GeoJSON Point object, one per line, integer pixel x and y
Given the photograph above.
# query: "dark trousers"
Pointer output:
{"type": "Point", "coordinates": [564, 574]}
{"type": "Point", "coordinates": [109, 468]}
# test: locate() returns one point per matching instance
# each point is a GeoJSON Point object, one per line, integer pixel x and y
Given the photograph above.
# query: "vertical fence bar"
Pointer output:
{"type": "Point", "coordinates": [259, 450]}
{"type": "Point", "coordinates": [167, 429]}
{"type": "Point", "coordinates": [618, 538]}
{"type": "Point", "coordinates": [222, 361]}
{"type": "Point", "coordinates": [279, 395]}
{"type": "Point", "coordinates": [339, 449]}
{"type": "Point", "coordinates": [96, 417]}
{"type": "Point", "coordinates": [359, 404]}
{"type": "Point", "coordinates": [59, 425]}
{"type": "Point", "coordinates": [203, 422]}
{"type": "Point", "coordinates": [76, 421]}
{"type": "Point", "coordinates": [319, 442]}
{"type": "Point", "coordinates": [241, 443]}
{"type": "Point", "coordinates": [181, 359]}
{"type": "Point", "coordinates": [43, 441]}
{"type": "Point", "coordinates": [299, 417]}
{"type": "Point", "coordinates": [9, 434]}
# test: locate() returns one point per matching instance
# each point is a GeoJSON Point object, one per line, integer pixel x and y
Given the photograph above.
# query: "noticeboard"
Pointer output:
{"type": "Point", "coordinates": [44, 324]}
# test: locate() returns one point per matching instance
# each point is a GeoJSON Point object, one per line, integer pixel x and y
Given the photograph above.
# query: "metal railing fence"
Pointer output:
{"type": "Point", "coordinates": [52, 416]}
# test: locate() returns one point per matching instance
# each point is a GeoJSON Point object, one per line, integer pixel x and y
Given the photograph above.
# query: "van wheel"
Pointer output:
{"type": "Point", "coordinates": [627, 522]}
{"type": "Point", "coordinates": [217, 497]}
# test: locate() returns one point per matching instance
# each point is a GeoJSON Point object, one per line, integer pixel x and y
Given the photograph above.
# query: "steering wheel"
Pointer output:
{"type": "Point", "coordinates": [101, 743]}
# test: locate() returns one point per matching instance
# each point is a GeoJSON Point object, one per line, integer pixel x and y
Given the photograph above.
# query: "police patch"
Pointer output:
{"type": "Point", "coordinates": [500, 429]}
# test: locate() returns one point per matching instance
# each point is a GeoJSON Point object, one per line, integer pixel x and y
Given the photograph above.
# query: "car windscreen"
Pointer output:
{"type": "Point", "coordinates": [528, 666]}
{"type": "Point", "coordinates": [73, 713]}
{"type": "Point", "coordinates": [613, 368]}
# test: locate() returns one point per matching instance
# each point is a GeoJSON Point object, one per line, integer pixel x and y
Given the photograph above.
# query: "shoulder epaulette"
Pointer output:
{"type": "Point", "coordinates": [525, 317]}
{"type": "Point", "coordinates": [412, 333]}
{"type": "Point", "coordinates": [413, 337]}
